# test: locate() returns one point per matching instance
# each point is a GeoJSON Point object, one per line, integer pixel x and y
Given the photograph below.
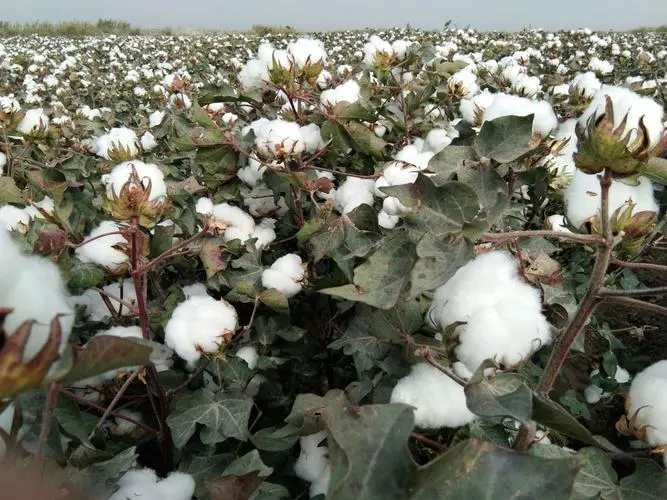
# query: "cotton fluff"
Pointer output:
{"type": "Point", "coordinates": [32, 287]}
{"type": "Point", "coordinates": [155, 118]}
{"type": "Point", "coordinates": [647, 397]}
{"type": "Point", "coordinates": [286, 274]}
{"type": "Point", "coordinates": [503, 318]}
{"type": "Point", "coordinates": [14, 218]}
{"type": "Point", "coordinates": [148, 142]}
{"type": "Point", "coordinates": [376, 47]}
{"type": "Point", "coordinates": [98, 249]}
{"type": "Point", "coordinates": [593, 393]}
{"type": "Point", "coordinates": [583, 197]}
{"type": "Point", "coordinates": [33, 121]}
{"type": "Point", "coordinates": [313, 463]}
{"type": "Point", "coordinates": [143, 484]}
{"type": "Point", "coordinates": [353, 192]}
{"type": "Point", "coordinates": [438, 401]}
{"type": "Point", "coordinates": [248, 354]}
{"type": "Point", "coordinates": [235, 223]}
{"type": "Point", "coordinates": [252, 173]}
{"type": "Point", "coordinates": [95, 307]}
{"type": "Point", "coordinates": [305, 51]}
{"type": "Point", "coordinates": [148, 173]}
{"type": "Point", "coordinates": [348, 91]}
{"type": "Point", "coordinates": [472, 110]}
{"type": "Point", "coordinates": [526, 86]}
{"type": "Point", "coordinates": [626, 102]}
{"type": "Point", "coordinates": [198, 325]}
{"type": "Point", "coordinates": [264, 233]}
{"type": "Point", "coordinates": [195, 290]}
{"type": "Point", "coordinates": [115, 140]}
{"type": "Point", "coordinates": [544, 120]}
{"type": "Point", "coordinates": [279, 138]}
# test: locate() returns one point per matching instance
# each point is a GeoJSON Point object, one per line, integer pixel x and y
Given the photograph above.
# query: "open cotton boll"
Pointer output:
{"type": "Point", "coordinates": [312, 138]}
{"type": "Point", "coordinates": [116, 139]}
{"type": "Point", "coordinates": [144, 484]}
{"type": "Point", "coordinates": [647, 397]}
{"type": "Point", "coordinates": [6, 421]}
{"type": "Point", "coordinates": [392, 206]}
{"type": "Point", "coordinates": [279, 138]}
{"type": "Point", "coordinates": [176, 486]}
{"type": "Point", "coordinates": [463, 83]}
{"type": "Point", "coordinates": [38, 294]}
{"type": "Point", "coordinates": [628, 103]}
{"type": "Point", "coordinates": [239, 225]}
{"type": "Point", "coordinates": [264, 233]}
{"type": "Point", "coordinates": [254, 74]}
{"type": "Point", "coordinates": [437, 140]}
{"type": "Point", "coordinates": [582, 197]}
{"type": "Point", "coordinates": [313, 463]}
{"type": "Point", "coordinates": [600, 66]}
{"type": "Point", "coordinates": [563, 163]}
{"type": "Point", "coordinates": [306, 51]}
{"type": "Point", "coordinates": [557, 222]}
{"type": "Point", "coordinates": [472, 109]}
{"type": "Point", "coordinates": [155, 118]}
{"type": "Point", "coordinates": [353, 192]}
{"type": "Point", "coordinates": [204, 206]}
{"type": "Point", "coordinates": [324, 79]}
{"type": "Point", "coordinates": [544, 120]}
{"type": "Point", "coordinates": [248, 354]}
{"type": "Point", "coordinates": [261, 202]}
{"type": "Point", "coordinates": [148, 142]}
{"type": "Point", "coordinates": [148, 173]}
{"type": "Point", "coordinates": [593, 394]}
{"type": "Point", "coordinates": [14, 218]}
{"type": "Point", "coordinates": [387, 221]}
{"type": "Point", "coordinates": [195, 290]}
{"type": "Point", "coordinates": [96, 308]}
{"type": "Point", "coordinates": [199, 325]}
{"type": "Point", "coordinates": [526, 86]}
{"type": "Point", "coordinates": [438, 400]}
{"type": "Point", "coordinates": [585, 85]}
{"type": "Point", "coordinates": [349, 92]}
{"type": "Point", "coordinates": [46, 205]}
{"type": "Point", "coordinates": [286, 274]}
{"type": "Point", "coordinates": [3, 162]}
{"type": "Point", "coordinates": [33, 121]}
{"type": "Point", "coordinates": [100, 250]}
{"type": "Point", "coordinates": [252, 173]}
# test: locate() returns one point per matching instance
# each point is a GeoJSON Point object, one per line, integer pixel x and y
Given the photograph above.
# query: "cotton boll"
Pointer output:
{"type": "Point", "coordinates": [585, 85]}
{"type": "Point", "coordinates": [36, 294]}
{"type": "Point", "coordinates": [148, 173]}
{"type": "Point", "coordinates": [252, 173]}
{"type": "Point", "coordinates": [279, 138]}
{"type": "Point", "coordinates": [437, 399]}
{"type": "Point", "coordinates": [254, 75]}
{"type": "Point", "coordinates": [3, 162]}
{"type": "Point", "coordinates": [583, 195]}
{"type": "Point", "coordinates": [324, 79]}
{"type": "Point", "coordinates": [353, 192]}
{"type": "Point", "coordinates": [34, 121]}
{"type": "Point", "coordinates": [392, 206]}
{"type": "Point", "coordinates": [249, 355]}
{"type": "Point", "coordinates": [312, 138]}
{"type": "Point", "coordinates": [286, 274]}
{"type": "Point", "coordinates": [114, 141]}
{"type": "Point", "coordinates": [563, 163]}
{"type": "Point", "coordinates": [463, 83]}
{"type": "Point", "coordinates": [199, 325]}
{"type": "Point", "coordinates": [557, 222]}
{"type": "Point", "coordinates": [625, 102]}
{"type": "Point", "coordinates": [148, 142]}
{"type": "Point", "coordinates": [313, 463]}
{"type": "Point", "coordinates": [306, 51]}
{"type": "Point", "coordinates": [14, 218]}
{"type": "Point", "coordinates": [387, 221]}
{"type": "Point", "coordinates": [437, 140]}
{"type": "Point", "coordinates": [155, 118]}
{"type": "Point", "coordinates": [349, 92]}
{"type": "Point", "coordinates": [204, 206]}
{"type": "Point", "coordinates": [472, 110]}
{"type": "Point", "coordinates": [6, 421]}
{"type": "Point", "coordinates": [544, 120]}
{"type": "Point", "coordinates": [593, 394]}
{"type": "Point", "coordinates": [238, 224]}
{"type": "Point", "coordinates": [526, 86]}
{"type": "Point", "coordinates": [600, 67]}
{"type": "Point", "coordinates": [98, 249]}
{"type": "Point", "coordinates": [123, 427]}
{"type": "Point", "coordinates": [264, 233]}
{"type": "Point", "coordinates": [176, 486]}
{"type": "Point", "coordinates": [646, 399]}
{"type": "Point", "coordinates": [45, 205]}
{"type": "Point", "coordinates": [144, 484]}
{"type": "Point", "coordinates": [179, 101]}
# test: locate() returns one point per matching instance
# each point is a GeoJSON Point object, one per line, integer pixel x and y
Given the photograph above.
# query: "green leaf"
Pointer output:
{"type": "Point", "coordinates": [597, 478]}
{"type": "Point", "coordinates": [9, 192]}
{"type": "Point", "coordinates": [82, 276]}
{"type": "Point", "coordinates": [238, 487]}
{"type": "Point", "coordinates": [250, 462]}
{"type": "Point", "coordinates": [649, 482]}
{"type": "Point", "coordinates": [442, 210]}
{"type": "Point", "coordinates": [204, 469]}
{"type": "Point", "coordinates": [275, 300]}
{"type": "Point", "coordinates": [272, 439]}
{"type": "Point", "coordinates": [362, 345]}
{"type": "Point", "coordinates": [308, 411]}
{"type": "Point", "coordinates": [364, 140]}
{"type": "Point", "coordinates": [355, 111]}
{"type": "Point", "coordinates": [104, 475]}
{"type": "Point", "coordinates": [162, 239]}
{"type": "Point", "coordinates": [438, 260]}
{"type": "Point", "coordinates": [368, 450]}
{"type": "Point", "coordinates": [202, 118]}
{"type": "Point", "coordinates": [380, 280]}
{"type": "Point", "coordinates": [223, 416]}
{"type": "Point", "coordinates": [104, 353]}
{"type": "Point", "coordinates": [449, 162]}
{"type": "Point", "coordinates": [476, 469]}
{"type": "Point", "coordinates": [505, 139]}
{"type": "Point", "coordinates": [502, 395]}
{"type": "Point", "coordinates": [404, 319]}
{"type": "Point", "coordinates": [211, 256]}
{"type": "Point", "coordinates": [492, 192]}
{"type": "Point", "coordinates": [74, 422]}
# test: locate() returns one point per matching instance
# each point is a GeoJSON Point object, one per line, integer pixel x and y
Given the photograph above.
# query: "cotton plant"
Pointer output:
{"type": "Point", "coordinates": [286, 275]}
{"type": "Point", "coordinates": [119, 143]}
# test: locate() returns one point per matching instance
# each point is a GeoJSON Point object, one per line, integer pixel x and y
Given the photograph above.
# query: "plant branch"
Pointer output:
{"type": "Point", "coordinates": [638, 304]}
{"type": "Point", "coordinates": [639, 265]}
{"type": "Point", "coordinates": [428, 357]}
{"type": "Point", "coordinates": [51, 399]}
{"type": "Point", "coordinates": [639, 292]}
{"type": "Point", "coordinates": [115, 401]}
{"type": "Point", "coordinates": [501, 238]}
{"type": "Point", "coordinates": [168, 253]}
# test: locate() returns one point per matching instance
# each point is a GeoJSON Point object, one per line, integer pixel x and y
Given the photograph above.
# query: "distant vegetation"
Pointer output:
{"type": "Point", "coordinates": [646, 29]}
{"type": "Point", "coordinates": [69, 28]}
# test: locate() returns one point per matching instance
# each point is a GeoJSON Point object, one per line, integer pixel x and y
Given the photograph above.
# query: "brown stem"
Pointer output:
{"type": "Point", "coordinates": [193, 375]}
{"type": "Point", "coordinates": [638, 304]}
{"type": "Point", "coordinates": [85, 242]}
{"type": "Point", "coordinates": [169, 252]}
{"type": "Point", "coordinates": [428, 441]}
{"type": "Point", "coordinates": [500, 238]}
{"type": "Point", "coordinates": [586, 307]}
{"type": "Point", "coordinates": [344, 174]}
{"type": "Point", "coordinates": [51, 398]}
{"type": "Point", "coordinates": [106, 297]}
{"type": "Point", "coordinates": [640, 292]}
{"type": "Point", "coordinates": [428, 357]}
{"type": "Point", "coordinates": [639, 265]}
{"type": "Point", "coordinates": [115, 400]}
{"type": "Point", "coordinates": [100, 408]}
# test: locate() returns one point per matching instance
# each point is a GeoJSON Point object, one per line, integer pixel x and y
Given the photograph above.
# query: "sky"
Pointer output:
{"type": "Point", "coordinates": [339, 14]}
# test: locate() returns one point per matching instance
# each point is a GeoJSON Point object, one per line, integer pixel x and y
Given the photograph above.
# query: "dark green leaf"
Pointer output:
{"type": "Point", "coordinates": [505, 139]}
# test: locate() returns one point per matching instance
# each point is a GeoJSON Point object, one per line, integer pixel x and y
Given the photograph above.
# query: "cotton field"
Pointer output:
{"type": "Point", "coordinates": [302, 265]}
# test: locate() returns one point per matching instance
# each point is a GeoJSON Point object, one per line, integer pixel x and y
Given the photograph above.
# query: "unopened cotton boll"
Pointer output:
{"type": "Point", "coordinates": [438, 401]}
{"type": "Point", "coordinates": [313, 463]}
{"type": "Point", "coordinates": [34, 121]}
{"type": "Point", "coordinates": [248, 354]}
{"type": "Point", "coordinates": [99, 249]}
{"type": "Point", "coordinates": [353, 192]}
{"type": "Point", "coordinates": [115, 141]}
{"type": "Point", "coordinates": [646, 400]}
{"type": "Point", "coordinates": [286, 274]}
{"type": "Point", "coordinates": [148, 173]}
{"type": "Point", "coordinates": [349, 92]}
{"type": "Point", "coordinates": [503, 319]}
{"type": "Point", "coordinates": [200, 325]}
{"type": "Point", "coordinates": [583, 197]}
